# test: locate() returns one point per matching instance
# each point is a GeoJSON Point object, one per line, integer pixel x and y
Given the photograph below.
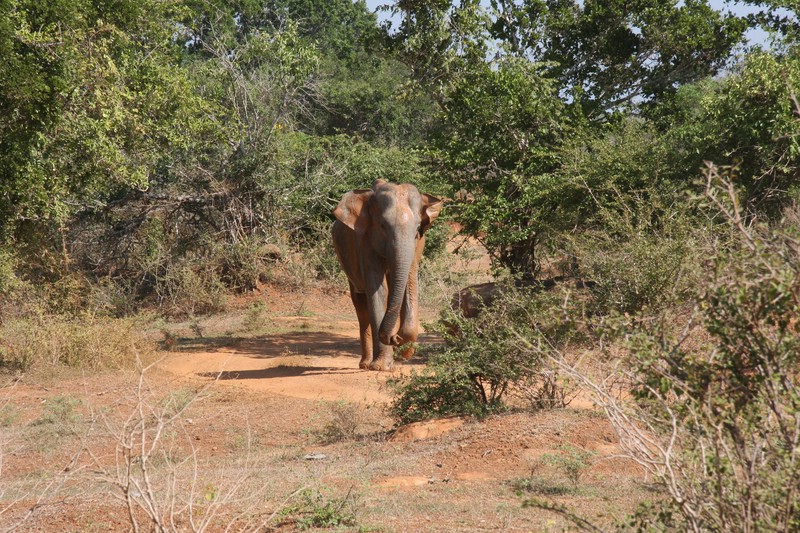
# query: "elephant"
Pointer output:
{"type": "Point", "coordinates": [379, 235]}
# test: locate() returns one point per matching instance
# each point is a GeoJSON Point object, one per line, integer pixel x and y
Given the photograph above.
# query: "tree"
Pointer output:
{"type": "Point", "coordinates": [91, 102]}
{"type": "Point", "coordinates": [513, 81]}
{"type": "Point", "coordinates": [497, 139]}
{"type": "Point", "coordinates": [607, 54]}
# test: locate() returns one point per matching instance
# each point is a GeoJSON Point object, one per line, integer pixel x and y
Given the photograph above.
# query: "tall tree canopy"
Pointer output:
{"type": "Point", "coordinates": [173, 129]}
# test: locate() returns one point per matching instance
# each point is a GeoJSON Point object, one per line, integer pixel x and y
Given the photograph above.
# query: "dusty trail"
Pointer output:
{"type": "Point", "coordinates": [274, 367]}
{"type": "Point", "coordinates": [313, 355]}
{"type": "Point", "coordinates": [313, 358]}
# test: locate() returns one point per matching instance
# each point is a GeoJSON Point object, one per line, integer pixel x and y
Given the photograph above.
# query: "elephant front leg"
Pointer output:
{"type": "Point", "coordinates": [409, 315]}
{"type": "Point", "coordinates": [364, 329]}
{"type": "Point", "coordinates": [383, 355]}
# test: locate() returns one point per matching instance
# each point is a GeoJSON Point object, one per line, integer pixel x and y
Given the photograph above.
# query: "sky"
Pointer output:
{"type": "Point", "coordinates": [754, 36]}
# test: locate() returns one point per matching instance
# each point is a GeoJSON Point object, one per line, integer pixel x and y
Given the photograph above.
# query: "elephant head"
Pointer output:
{"type": "Point", "coordinates": [390, 220]}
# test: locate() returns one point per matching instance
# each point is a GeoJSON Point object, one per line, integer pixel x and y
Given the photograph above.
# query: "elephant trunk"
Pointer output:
{"type": "Point", "coordinates": [397, 289]}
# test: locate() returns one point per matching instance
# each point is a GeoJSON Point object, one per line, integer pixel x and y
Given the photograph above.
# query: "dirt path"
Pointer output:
{"type": "Point", "coordinates": [313, 355]}
{"type": "Point", "coordinates": [310, 357]}
{"type": "Point", "coordinates": [287, 409]}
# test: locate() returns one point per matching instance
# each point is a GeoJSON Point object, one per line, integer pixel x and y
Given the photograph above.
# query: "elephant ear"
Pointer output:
{"type": "Point", "coordinates": [430, 210]}
{"type": "Point", "coordinates": [352, 209]}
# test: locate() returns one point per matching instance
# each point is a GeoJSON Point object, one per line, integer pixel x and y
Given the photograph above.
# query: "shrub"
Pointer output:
{"type": "Point", "coordinates": [8, 276]}
{"type": "Point", "coordinates": [242, 264]}
{"type": "Point", "coordinates": [61, 416]}
{"type": "Point", "coordinates": [316, 511]}
{"type": "Point", "coordinates": [643, 256]}
{"type": "Point", "coordinates": [256, 317]}
{"type": "Point", "coordinates": [343, 422]}
{"type": "Point", "coordinates": [714, 414]}
{"type": "Point", "coordinates": [190, 291]}
{"type": "Point", "coordinates": [571, 461]}
{"type": "Point", "coordinates": [482, 360]}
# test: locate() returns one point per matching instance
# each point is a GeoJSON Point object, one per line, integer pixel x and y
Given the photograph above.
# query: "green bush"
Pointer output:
{"type": "Point", "coordinates": [482, 359]}
{"type": "Point", "coordinates": [640, 255]}
{"type": "Point", "coordinates": [714, 415]}
{"type": "Point", "coordinates": [8, 276]}
{"type": "Point", "coordinates": [571, 461]}
{"type": "Point", "coordinates": [314, 510]}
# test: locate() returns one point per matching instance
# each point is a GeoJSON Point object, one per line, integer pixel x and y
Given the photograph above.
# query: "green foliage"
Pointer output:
{"type": "Point", "coordinates": [81, 85]}
{"type": "Point", "coordinates": [482, 360]}
{"type": "Point", "coordinates": [642, 259]}
{"type": "Point", "coordinates": [745, 120]}
{"type": "Point", "coordinates": [436, 240]}
{"type": "Point", "coordinates": [517, 81]}
{"type": "Point", "coordinates": [60, 416]}
{"type": "Point", "coordinates": [615, 170]}
{"type": "Point", "coordinates": [329, 167]}
{"type": "Point", "coordinates": [642, 272]}
{"type": "Point", "coordinates": [316, 511]}
{"type": "Point", "coordinates": [154, 149]}
{"type": "Point", "coordinates": [435, 392]}
{"type": "Point", "coordinates": [499, 125]}
{"type": "Point", "coordinates": [571, 461]}
{"type": "Point", "coordinates": [370, 98]}
{"type": "Point", "coordinates": [8, 277]}
{"type": "Point", "coordinates": [602, 54]}
{"type": "Point", "coordinates": [611, 52]}
{"type": "Point", "coordinates": [256, 317]}
{"type": "Point", "coordinates": [727, 402]}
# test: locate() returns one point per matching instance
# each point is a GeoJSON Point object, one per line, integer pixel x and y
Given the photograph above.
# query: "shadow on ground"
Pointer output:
{"type": "Point", "coordinates": [281, 371]}
{"type": "Point", "coordinates": [316, 343]}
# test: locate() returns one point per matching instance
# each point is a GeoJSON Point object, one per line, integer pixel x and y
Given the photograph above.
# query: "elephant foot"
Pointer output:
{"type": "Point", "coordinates": [365, 363]}
{"type": "Point", "coordinates": [384, 365]}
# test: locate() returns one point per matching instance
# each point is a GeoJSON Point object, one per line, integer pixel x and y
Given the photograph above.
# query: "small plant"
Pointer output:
{"type": "Point", "coordinates": [243, 442]}
{"type": "Point", "coordinates": [177, 401]}
{"type": "Point", "coordinates": [539, 485]}
{"type": "Point", "coordinates": [60, 416]}
{"type": "Point", "coordinates": [343, 422]}
{"type": "Point", "coordinates": [9, 414]}
{"type": "Point", "coordinates": [170, 341]}
{"type": "Point", "coordinates": [256, 317]}
{"type": "Point", "coordinates": [571, 461]}
{"type": "Point", "coordinates": [315, 511]}
{"type": "Point", "coordinates": [301, 310]}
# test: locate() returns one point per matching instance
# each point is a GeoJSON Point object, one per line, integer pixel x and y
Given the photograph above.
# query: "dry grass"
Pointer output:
{"type": "Point", "coordinates": [33, 343]}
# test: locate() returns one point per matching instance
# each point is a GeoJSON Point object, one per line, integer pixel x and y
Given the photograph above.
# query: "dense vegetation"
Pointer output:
{"type": "Point", "coordinates": [162, 154]}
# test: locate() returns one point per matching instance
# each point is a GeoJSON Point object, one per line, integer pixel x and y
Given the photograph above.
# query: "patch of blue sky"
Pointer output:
{"type": "Point", "coordinates": [755, 36]}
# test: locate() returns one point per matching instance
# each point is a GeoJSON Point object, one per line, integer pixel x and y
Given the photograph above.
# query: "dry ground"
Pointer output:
{"type": "Point", "coordinates": [279, 427]}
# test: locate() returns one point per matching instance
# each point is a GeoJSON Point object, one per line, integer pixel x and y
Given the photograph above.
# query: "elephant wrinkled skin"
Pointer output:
{"type": "Point", "coordinates": [379, 235]}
